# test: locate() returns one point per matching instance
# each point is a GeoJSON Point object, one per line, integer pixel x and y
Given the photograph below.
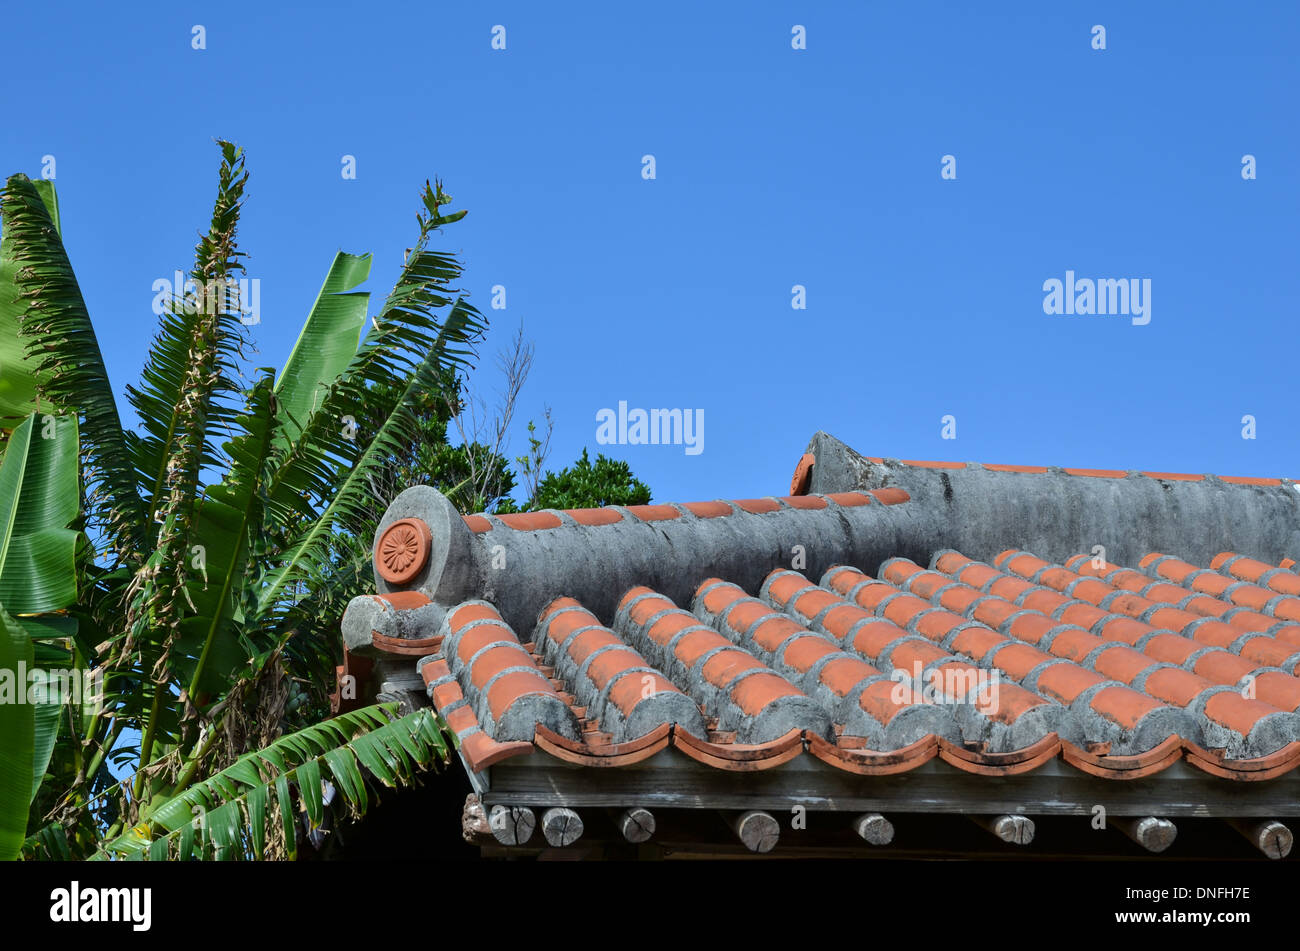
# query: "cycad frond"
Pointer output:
{"type": "Point", "coordinates": [409, 350]}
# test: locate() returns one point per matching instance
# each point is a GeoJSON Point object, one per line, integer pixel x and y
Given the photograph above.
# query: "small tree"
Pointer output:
{"type": "Point", "coordinates": [583, 485]}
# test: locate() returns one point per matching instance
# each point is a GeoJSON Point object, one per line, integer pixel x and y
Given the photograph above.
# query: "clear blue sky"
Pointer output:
{"type": "Point", "coordinates": [775, 167]}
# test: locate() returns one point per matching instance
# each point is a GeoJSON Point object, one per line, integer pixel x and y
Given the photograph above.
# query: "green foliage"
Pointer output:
{"type": "Point", "coordinates": [61, 359]}
{"type": "Point", "coordinates": [228, 532]}
{"type": "Point", "coordinates": [17, 732]}
{"type": "Point", "coordinates": [584, 485]}
{"type": "Point", "coordinates": [201, 562]}
{"type": "Point", "coordinates": [473, 477]}
{"type": "Point", "coordinates": [247, 810]}
{"type": "Point", "coordinates": [18, 377]}
{"type": "Point", "coordinates": [38, 550]}
{"type": "Point", "coordinates": [38, 501]}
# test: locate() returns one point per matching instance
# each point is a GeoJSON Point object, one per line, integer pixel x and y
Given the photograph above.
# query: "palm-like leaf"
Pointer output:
{"type": "Point", "coordinates": [311, 549]}
{"type": "Point", "coordinates": [18, 377]}
{"type": "Point", "coordinates": [327, 343]}
{"type": "Point", "coordinates": [407, 333]}
{"type": "Point", "coordinates": [228, 815]}
{"type": "Point", "coordinates": [409, 350]}
{"type": "Point", "coordinates": [38, 500]}
{"type": "Point", "coordinates": [17, 755]}
{"type": "Point", "coordinates": [69, 369]}
{"type": "Point", "coordinates": [187, 386]}
{"type": "Point", "coordinates": [193, 363]}
{"type": "Point", "coordinates": [215, 586]}
{"type": "Point", "coordinates": [228, 518]}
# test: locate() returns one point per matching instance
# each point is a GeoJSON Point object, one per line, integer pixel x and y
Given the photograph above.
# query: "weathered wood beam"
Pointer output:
{"type": "Point", "coordinates": [1015, 829]}
{"type": "Point", "coordinates": [1269, 836]}
{"type": "Point", "coordinates": [512, 825]}
{"type": "Point", "coordinates": [561, 826]}
{"type": "Point", "coordinates": [873, 828]}
{"type": "Point", "coordinates": [758, 831]}
{"type": "Point", "coordinates": [1152, 833]}
{"type": "Point", "coordinates": [671, 781]}
{"type": "Point", "coordinates": [636, 824]}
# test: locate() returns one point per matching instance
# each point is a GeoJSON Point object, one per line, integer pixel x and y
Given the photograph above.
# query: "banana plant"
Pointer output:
{"type": "Point", "coordinates": [17, 740]}
{"type": "Point", "coordinates": [227, 527]}
{"type": "Point", "coordinates": [249, 810]}
{"type": "Point", "coordinates": [17, 374]}
{"type": "Point", "coordinates": [38, 551]}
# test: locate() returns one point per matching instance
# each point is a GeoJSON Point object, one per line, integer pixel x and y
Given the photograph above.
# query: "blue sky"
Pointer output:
{"type": "Point", "coordinates": [774, 167]}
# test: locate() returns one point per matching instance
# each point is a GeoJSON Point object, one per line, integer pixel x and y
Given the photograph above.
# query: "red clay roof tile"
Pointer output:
{"type": "Point", "coordinates": [1117, 670]}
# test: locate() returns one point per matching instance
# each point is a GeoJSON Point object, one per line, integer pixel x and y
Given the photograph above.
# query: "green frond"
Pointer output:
{"type": "Point", "coordinates": [351, 499]}
{"type": "Point", "coordinates": [233, 814]}
{"type": "Point", "coordinates": [19, 380]}
{"type": "Point", "coordinates": [17, 743]}
{"type": "Point", "coordinates": [214, 621]}
{"type": "Point", "coordinates": [189, 388]}
{"type": "Point", "coordinates": [38, 551]}
{"type": "Point", "coordinates": [38, 501]}
{"type": "Point", "coordinates": [410, 349]}
{"type": "Point", "coordinates": [325, 346]}
{"type": "Point", "coordinates": [203, 385]}
{"type": "Point", "coordinates": [50, 843]}
{"type": "Point", "coordinates": [69, 368]}
{"type": "Point", "coordinates": [227, 525]}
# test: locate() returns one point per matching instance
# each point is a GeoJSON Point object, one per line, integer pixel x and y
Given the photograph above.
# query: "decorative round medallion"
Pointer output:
{"type": "Point", "coordinates": [402, 550]}
{"type": "Point", "coordinates": [802, 474]}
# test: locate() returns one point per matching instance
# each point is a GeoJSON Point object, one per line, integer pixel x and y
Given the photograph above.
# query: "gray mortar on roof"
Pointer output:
{"type": "Point", "coordinates": [1270, 734]}
{"type": "Point", "coordinates": [795, 712]}
{"type": "Point", "coordinates": [845, 710]}
{"type": "Point", "coordinates": [1150, 731]}
{"type": "Point", "coordinates": [971, 720]}
{"type": "Point", "coordinates": [598, 564]}
{"type": "Point", "coordinates": [1055, 515]}
{"type": "Point", "coordinates": [1082, 724]}
{"type": "Point", "coordinates": [452, 573]}
{"type": "Point", "coordinates": [655, 707]}
{"type": "Point", "coordinates": [367, 615]}
{"type": "Point", "coordinates": [920, 720]}
{"type": "Point", "coordinates": [973, 510]}
{"type": "Point", "coordinates": [1155, 727]}
{"type": "Point", "coordinates": [1267, 736]}
{"type": "Point", "coordinates": [520, 719]}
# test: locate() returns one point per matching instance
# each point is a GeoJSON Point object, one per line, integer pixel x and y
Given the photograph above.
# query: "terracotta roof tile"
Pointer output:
{"type": "Point", "coordinates": [802, 657]}
{"type": "Point", "coordinates": [1116, 669]}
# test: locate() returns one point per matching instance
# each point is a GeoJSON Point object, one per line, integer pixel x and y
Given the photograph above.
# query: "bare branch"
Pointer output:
{"type": "Point", "coordinates": [475, 426]}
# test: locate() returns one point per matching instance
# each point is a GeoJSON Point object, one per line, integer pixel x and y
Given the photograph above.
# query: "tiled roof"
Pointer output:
{"type": "Point", "coordinates": [880, 618]}
{"type": "Point", "coordinates": [994, 669]}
